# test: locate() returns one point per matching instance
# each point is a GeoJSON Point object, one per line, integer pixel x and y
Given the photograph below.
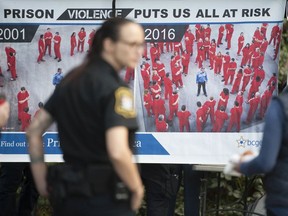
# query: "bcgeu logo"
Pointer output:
{"type": "Point", "coordinates": [242, 143]}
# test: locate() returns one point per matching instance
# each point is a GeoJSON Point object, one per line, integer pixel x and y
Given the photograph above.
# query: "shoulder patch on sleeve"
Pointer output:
{"type": "Point", "coordinates": [124, 103]}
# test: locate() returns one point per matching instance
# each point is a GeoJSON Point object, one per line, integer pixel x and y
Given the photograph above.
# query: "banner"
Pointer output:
{"type": "Point", "coordinates": [201, 89]}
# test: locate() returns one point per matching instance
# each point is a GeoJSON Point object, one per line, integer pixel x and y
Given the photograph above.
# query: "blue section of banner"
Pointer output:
{"type": "Point", "coordinates": [16, 143]}
{"type": "Point", "coordinates": [147, 144]}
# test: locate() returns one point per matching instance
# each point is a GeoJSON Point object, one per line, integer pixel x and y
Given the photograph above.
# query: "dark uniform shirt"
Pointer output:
{"type": "Point", "coordinates": [91, 99]}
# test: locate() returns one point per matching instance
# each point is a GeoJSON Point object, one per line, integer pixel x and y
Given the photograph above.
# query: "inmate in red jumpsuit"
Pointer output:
{"type": "Point", "coordinates": [73, 44]}
{"type": "Point", "coordinates": [148, 103]}
{"type": "Point", "coordinates": [25, 119]}
{"type": "Point", "coordinates": [81, 40]}
{"type": "Point", "coordinates": [220, 118]}
{"type": "Point", "coordinates": [173, 105]}
{"type": "Point", "coordinates": [22, 98]}
{"type": "Point", "coordinates": [48, 36]}
{"type": "Point", "coordinates": [168, 87]}
{"type": "Point", "coordinates": [211, 104]}
{"type": "Point", "coordinates": [158, 108]}
{"type": "Point", "coordinates": [235, 118]}
{"type": "Point", "coordinates": [254, 102]}
{"type": "Point", "coordinates": [41, 49]}
{"type": "Point", "coordinates": [161, 126]}
{"type": "Point", "coordinates": [57, 43]}
{"type": "Point", "coordinates": [183, 117]}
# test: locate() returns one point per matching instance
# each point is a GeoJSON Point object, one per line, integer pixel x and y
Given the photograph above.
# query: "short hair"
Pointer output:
{"type": "Point", "coordinates": [236, 103]}
{"type": "Point", "coordinates": [183, 107]}
{"type": "Point", "coordinates": [40, 105]}
{"type": "Point", "coordinates": [199, 104]}
{"type": "Point", "coordinates": [222, 108]}
{"type": "Point", "coordinates": [26, 109]}
{"type": "Point", "coordinates": [161, 117]}
{"type": "Point", "coordinates": [23, 89]}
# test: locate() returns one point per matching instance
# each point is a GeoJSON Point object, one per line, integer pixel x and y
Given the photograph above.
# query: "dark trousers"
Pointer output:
{"type": "Point", "coordinates": [192, 185]}
{"type": "Point", "coordinates": [98, 205]}
{"type": "Point", "coordinates": [13, 175]}
{"type": "Point", "coordinates": [203, 84]}
{"type": "Point", "coordinates": [161, 195]}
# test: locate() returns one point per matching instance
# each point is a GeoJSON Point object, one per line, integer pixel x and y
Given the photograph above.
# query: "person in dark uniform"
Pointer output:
{"type": "Point", "coordinates": [96, 120]}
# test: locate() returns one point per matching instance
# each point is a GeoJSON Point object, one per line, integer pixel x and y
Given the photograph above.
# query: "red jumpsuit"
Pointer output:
{"type": "Point", "coordinates": [12, 66]}
{"type": "Point", "coordinates": [231, 72]}
{"type": "Point", "coordinates": [161, 70]}
{"type": "Point", "coordinates": [155, 90]}
{"type": "Point", "coordinates": [22, 98]}
{"type": "Point", "coordinates": [229, 35]}
{"type": "Point", "coordinates": [57, 43]}
{"type": "Point", "coordinates": [156, 78]}
{"type": "Point", "coordinates": [185, 62]}
{"type": "Point", "coordinates": [73, 44]}
{"type": "Point", "coordinates": [259, 72]}
{"type": "Point", "coordinates": [220, 35]}
{"type": "Point", "coordinates": [274, 33]}
{"type": "Point", "coordinates": [177, 76]}
{"type": "Point", "coordinates": [173, 105]}
{"type": "Point", "coordinates": [255, 59]}
{"type": "Point", "coordinates": [161, 126]}
{"type": "Point", "coordinates": [239, 99]}
{"type": "Point", "coordinates": [236, 84]}
{"type": "Point", "coordinates": [183, 117]}
{"type": "Point", "coordinates": [161, 47]}
{"type": "Point", "coordinates": [207, 32]}
{"type": "Point", "coordinates": [148, 103]}
{"type": "Point", "coordinates": [9, 50]}
{"type": "Point", "coordinates": [264, 46]}
{"type": "Point", "coordinates": [245, 57]}
{"type": "Point", "coordinates": [218, 64]}
{"type": "Point", "coordinates": [258, 38]}
{"type": "Point", "coordinates": [197, 31]}
{"type": "Point", "coordinates": [264, 102]}
{"type": "Point", "coordinates": [235, 118]}
{"type": "Point", "coordinates": [211, 105]}
{"type": "Point", "coordinates": [263, 29]}
{"type": "Point", "coordinates": [212, 51]}
{"type": "Point", "coordinates": [199, 119]}
{"type": "Point", "coordinates": [145, 76]}
{"type": "Point", "coordinates": [25, 119]}
{"type": "Point", "coordinates": [241, 40]}
{"type": "Point", "coordinates": [48, 41]}
{"type": "Point", "coordinates": [223, 100]}
{"type": "Point", "coordinates": [272, 80]}
{"type": "Point", "coordinates": [41, 49]}
{"type": "Point", "coordinates": [90, 39]}
{"type": "Point", "coordinates": [189, 41]}
{"type": "Point", "coordinates": [129, 75]}
{"type": "Point", "coordinates": [254, 102]}
{"type": "Point", "coordinates": [254, 88]}
{"type": "Point", "coordinates": [220, 118]}
{"type": "Point", "coordinates": [278, 40]}
{"type": "Point", "coordinates": [246, 78]}
{"type": "Point", "coordinates": [261, 59]}
{"type": "Point", "coordinates": [168, 87]}
{"type": "Point", "coordinates": [200, 57]}
{"type": "Point", "coordinates": [154, 54]}
{"type": "Point", "coordinates": [199, 45]}
{"type": "Point", "coordinates": [81, 41]}
{"type": "Point", "coordinates": [206, 45]}
{"type": "Point", "coordinates": [177, 47]}
{"type": "Point", "coordinates": [158, 108]}
{"type": "Point", "coordinates": [226, 63]}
